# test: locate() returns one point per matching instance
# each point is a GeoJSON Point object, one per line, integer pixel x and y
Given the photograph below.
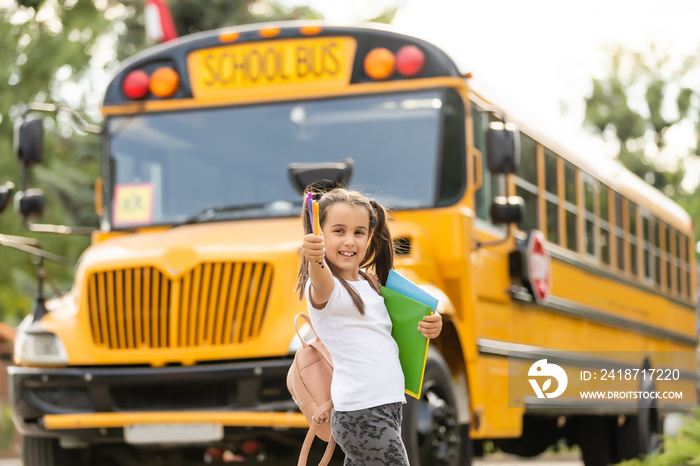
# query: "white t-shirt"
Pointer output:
{"type": "Point", "coordinates": [366, 368]}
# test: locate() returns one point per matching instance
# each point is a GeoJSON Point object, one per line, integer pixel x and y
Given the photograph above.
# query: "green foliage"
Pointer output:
{"type": "Point", "coordinates": [33, 48]}
{"type": "Point", "coordinates": [191, 17]}
{"type": "Point", "coordinates": [636, 105]}
{"type": "Point", "coordinates": [684, 449]}
{"type": "Point", "coordinates": [386, 17]}
{"type": "Point", "coordinates": [7, 429]}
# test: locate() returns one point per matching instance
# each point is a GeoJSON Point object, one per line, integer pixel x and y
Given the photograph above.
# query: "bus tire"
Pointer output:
{"type": "Point", "coordinates": [595, 440]}
{"type": "Point", "coordinates": [649, 424]}
{"type": "Point", "coordinates": [430, 429]}
{"type": "Point", "coordinates": [639, 435]}
{"type": "Point", "coordinates": [43, 451]}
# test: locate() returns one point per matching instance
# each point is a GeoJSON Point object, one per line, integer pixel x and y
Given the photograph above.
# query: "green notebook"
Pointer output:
{"type": "Point", "coordinates": [405, 314]}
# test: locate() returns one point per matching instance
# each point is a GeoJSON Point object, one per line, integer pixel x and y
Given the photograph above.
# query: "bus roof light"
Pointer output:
{"type": "Point", "coordinates": [410, 60]}
{"type": "Point", "coordinates": [310, 30]}
{"type": "Point", "coordinates": [268, 32]}
{"type": "Point", "coordinates": [135, 85]}
{"type": "Point", "coordinates": [164, 82]}
{"type": "Point", "coordinates": [379, 63]}
{"type": "Point", "coordinates": [229, 36]}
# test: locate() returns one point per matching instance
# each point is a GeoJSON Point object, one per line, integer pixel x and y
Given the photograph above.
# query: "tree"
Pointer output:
{"type": "Point", "coordinates": [43, 46]}
{"type": "Point", "coordinates": [641, 105]}
{"type": "Point", "coordinates": [55, 51]}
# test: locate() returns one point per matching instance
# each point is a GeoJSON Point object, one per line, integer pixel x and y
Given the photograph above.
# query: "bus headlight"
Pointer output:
{"type": "Point", "coordinates": [40, 348]}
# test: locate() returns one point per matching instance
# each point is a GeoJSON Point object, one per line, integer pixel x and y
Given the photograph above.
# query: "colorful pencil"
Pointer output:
{"type": "Point", "coordinates": [314, 218]}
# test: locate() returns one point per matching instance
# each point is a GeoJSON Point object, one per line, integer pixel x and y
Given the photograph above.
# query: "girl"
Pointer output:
{"type": "Point", "coordinates": [350, 317]}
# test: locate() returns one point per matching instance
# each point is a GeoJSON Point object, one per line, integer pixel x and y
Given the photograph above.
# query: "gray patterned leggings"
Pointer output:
{"type": "Point", "coordinates": [370, 437]}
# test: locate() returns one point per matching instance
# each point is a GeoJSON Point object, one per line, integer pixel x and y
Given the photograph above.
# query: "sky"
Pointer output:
{"type": "Point", "coordinates": [536, 58]}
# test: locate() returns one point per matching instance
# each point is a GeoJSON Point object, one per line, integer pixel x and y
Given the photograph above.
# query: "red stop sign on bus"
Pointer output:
{"type": "Point", "coordinates": [539, 269]}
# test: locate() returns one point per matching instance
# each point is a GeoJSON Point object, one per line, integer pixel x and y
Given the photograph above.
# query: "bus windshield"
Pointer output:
{"type": "Point", "coordinates": [167, 167]}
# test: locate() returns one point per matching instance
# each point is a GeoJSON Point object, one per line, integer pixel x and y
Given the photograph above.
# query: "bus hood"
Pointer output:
{"type": "Point", "coordinates": [165, 295]}
{"type": "Point", "coordinates": [250, 238]}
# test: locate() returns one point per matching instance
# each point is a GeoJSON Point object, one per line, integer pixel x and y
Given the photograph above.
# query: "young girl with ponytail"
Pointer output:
{"type": "Point", "coordinates": [351, 319]}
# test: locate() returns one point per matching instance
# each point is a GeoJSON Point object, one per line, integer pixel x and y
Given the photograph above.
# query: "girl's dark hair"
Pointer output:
{"type": "Point", "coordinates": [380, 250]}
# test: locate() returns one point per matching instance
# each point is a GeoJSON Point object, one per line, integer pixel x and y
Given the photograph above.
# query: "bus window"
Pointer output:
{"type": "Point", "coordinates": [619, 232]}
{"type": "Point", "coordinates": [688, 289]}
{"type": "Point", "coordinates": [676, 260]}
{"type": "Point", "coordinates": [679, 268]}
{"type": "Point", "coordinates": [453, 176]}
{"type": "Point", "coordinates": [604, 225]}
{"type": "Point", "coordinates": [551, 196]}
{"type": "Point", "coordinates": [225, 156]}
{"type": "Point", "coordinates": [490, 186]}
{"type": "Point", "coordinates": [632, 219]}
{"type": "Point", "coordinates": [571, 206]}
{"type": "Point", "coordinates": [589, 214]}
{"type": "Point", "coordinates": [657, 252]}
{"type": "Point", "coordinates": [527, 169]}
{"type": "Point", "coordinates": [667, 257]}
{"type": "Point", "coordinates": [646, 245]}
{"type": "Point", "coordinates": [526, 182]}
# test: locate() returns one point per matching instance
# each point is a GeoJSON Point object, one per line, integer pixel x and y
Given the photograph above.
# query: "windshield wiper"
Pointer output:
{"type": "Point", "coordinates": [210, 213]}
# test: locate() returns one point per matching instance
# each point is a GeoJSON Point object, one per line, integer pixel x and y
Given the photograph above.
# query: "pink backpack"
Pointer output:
{"type": "Point", "coordinates": [309, 382]}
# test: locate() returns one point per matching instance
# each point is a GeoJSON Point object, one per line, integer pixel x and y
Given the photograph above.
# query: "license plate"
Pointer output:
{"type": "Point", "coordinates": [173, 433]}
{"type": "Point", "coordinates": [258, 67]}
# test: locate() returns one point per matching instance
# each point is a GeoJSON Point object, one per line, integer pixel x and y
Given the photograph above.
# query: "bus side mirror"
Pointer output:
{"type": "Point", "coordinates": [507, 209]}
{"type": "Point", "coordinates": [29, 140]}
{"type": "Point", "coordinates": [324, 176]}
{"type": "Point", "coordinates": [5, 194]}
{"type": "Point", "coordinates": [30, 202]}
{"type": "Point", "coordinates": [502, 152]}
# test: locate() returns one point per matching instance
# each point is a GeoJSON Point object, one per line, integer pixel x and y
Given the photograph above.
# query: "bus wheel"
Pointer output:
{"type": "Point", "coordinates": [430, 428]}
{"type": "Point", "coordinates": [595, 437]}
{"type": "Point", "coordinates": [649, 430]}
{"type": "Point", "coordinates": [639, 435]}
{"type": "Point", "coordinates": [41, 451]}
{"type": "Point", "coordinates": [649, 424]}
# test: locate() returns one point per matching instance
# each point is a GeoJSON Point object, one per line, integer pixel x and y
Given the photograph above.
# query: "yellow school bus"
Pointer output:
{"type": "Point", "coordinates": [178, 332]}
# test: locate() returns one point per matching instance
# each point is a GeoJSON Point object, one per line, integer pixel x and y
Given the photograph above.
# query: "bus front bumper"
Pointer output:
{"type": "Point", "coordinates": [98, 403]}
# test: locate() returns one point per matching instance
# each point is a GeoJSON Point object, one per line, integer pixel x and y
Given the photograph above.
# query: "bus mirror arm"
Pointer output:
{"type": "Point", "coordinates": [60, 229]}
{"type": "Point", "coordinates": [29, 147]}
{"type": "Point", "coordinates": [496, 242]}
{"type": "Point", "coordinates": [78, 121]}
{"type": "Point", "coordinates": [31, 246]}
{"type": "Point", "coordinates": [504, 210]}
{"type": "Point", "coordinates": [30, 203]}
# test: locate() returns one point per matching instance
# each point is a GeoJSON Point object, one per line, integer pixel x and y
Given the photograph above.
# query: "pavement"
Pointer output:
{"type": "Point", "coordinates": [491, 460]}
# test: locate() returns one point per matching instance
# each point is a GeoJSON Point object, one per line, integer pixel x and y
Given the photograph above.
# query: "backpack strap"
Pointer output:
{"type": "Point", "coordinates": [305, 343]}
{"type": "Point", "coordinates": [296, 327]}
{"type": "Point", "coordinates": [373, 280]}
{"type": "Point", "coordinates": [304, 454]}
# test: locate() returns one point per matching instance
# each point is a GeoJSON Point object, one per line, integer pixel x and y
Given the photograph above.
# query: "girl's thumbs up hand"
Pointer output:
{"type": "Point", "coordinates": [313, 248]}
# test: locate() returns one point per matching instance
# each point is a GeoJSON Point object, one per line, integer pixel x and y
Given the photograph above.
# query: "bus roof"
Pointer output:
{"type": "Point", "coordinates": [174, 53]}
{"type": "Point", "coordinates": [605, 169]}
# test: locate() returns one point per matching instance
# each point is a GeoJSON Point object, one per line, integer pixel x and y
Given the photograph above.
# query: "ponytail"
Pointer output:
{"type": "Point", "coordinates": [380, 251]}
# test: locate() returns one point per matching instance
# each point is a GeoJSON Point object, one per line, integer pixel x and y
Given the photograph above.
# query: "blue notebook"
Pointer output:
{"type": "Point", "coordinates": [403, 285]}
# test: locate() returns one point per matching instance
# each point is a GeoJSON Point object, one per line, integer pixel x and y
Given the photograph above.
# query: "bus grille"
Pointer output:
{"type": "Point", "coordinates": [214, 304]}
